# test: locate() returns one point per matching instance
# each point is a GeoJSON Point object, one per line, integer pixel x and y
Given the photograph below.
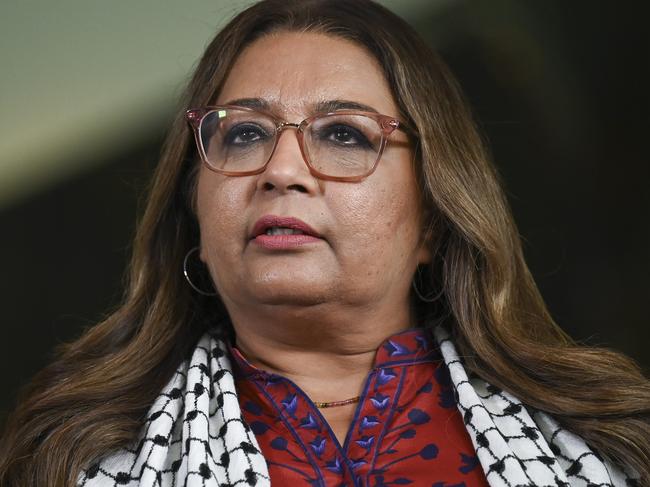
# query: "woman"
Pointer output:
{"type": "Point", "coordinates": [327, 288]}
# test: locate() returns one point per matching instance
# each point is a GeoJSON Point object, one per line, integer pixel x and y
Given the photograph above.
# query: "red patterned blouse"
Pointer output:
{"type": "Point", "coordinates": [406, 429]}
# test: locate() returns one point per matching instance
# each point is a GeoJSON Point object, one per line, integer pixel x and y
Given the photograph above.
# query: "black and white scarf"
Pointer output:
{"type": "Point", "coordinates": [194, 435]}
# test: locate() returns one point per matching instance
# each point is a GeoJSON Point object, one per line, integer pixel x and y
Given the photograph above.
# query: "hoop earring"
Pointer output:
{"type": "Point", "coordinates": [187, 274]}
{"type": "Point", "coordinates": [429, 298]}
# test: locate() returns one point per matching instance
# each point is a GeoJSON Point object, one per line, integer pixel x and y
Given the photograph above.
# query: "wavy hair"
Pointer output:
{"type": "Point", "coordinates": [92, 399]}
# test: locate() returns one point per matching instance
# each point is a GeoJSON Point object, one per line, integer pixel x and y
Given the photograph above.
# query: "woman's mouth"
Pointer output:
{"type": "Point", "coordinates": [282, 231]}
{"type": "Point", "coordinates": [279, 233]}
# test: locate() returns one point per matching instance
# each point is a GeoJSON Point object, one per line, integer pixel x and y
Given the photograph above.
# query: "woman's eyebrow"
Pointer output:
{"type": "Point", "coordinates": [334, 105]}
{"type": "Point", "coordinates": [320, 107]}
{"type": "Point", "coordinates": [255, 103]}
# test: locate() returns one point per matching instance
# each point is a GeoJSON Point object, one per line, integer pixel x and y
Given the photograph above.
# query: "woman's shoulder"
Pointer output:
{"type": "Point", "coordinates": [517, 442]}
{"type": "Point", "coordinates": [193, 428]}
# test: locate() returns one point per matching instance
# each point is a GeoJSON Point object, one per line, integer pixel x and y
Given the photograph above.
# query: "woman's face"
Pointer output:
{"type": "Point", "coordinates": [370, 231]}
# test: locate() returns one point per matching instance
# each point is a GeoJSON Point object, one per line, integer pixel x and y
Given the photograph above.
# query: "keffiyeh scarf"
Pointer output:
{"type": "Point", "coordinates": [194, 435]}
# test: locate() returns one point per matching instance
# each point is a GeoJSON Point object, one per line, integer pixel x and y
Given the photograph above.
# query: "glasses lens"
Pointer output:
{"type": "Point", "coordinates": [237, 140]}
{"type": "Point", "coordinates": [343, 145]}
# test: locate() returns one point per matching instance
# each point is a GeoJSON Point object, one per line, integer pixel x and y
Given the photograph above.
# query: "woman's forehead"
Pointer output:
{"type": "Point", "coordinates": [324, 106]}
{"type": "Point", "coordinates": [299, 72]}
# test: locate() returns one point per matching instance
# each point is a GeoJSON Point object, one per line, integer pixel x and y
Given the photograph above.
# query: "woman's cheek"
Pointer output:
{"type": "Point", "coordinates": [366, 223]}
{"type": "Point", "coordinates": [389, 213]}
{"type": "Point", "coordinates": [222, 208]}
{"type": "Point", "coordinates": [380, 212]}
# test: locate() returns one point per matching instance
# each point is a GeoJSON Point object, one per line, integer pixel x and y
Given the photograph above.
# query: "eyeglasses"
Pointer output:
{"type": "Point", "coordinates": [345, 145]}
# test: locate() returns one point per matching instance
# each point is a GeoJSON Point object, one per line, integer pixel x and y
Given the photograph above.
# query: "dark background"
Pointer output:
{"type": "Point", "coordinates": [560, 90]}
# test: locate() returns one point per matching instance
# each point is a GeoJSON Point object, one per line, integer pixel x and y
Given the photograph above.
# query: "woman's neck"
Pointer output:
{"type": "Point", "coordinates": [327, 355]}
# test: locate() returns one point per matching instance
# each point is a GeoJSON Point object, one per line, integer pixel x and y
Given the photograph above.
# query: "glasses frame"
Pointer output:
{"type": "Point", "coordinates": [387, 124]}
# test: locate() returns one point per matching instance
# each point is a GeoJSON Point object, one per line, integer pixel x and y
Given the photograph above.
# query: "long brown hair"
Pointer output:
{"type": "Point", "coordinates": [92, 399]}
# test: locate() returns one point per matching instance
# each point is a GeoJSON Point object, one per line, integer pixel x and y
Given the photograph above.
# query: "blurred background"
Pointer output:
{"type": "Point", "coordinates": [88, 89]}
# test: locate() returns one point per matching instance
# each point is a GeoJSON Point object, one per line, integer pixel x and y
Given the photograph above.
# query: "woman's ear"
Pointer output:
{"type": "Point", "coordinates": [424, 251]}
{"type": "Point", "coordinates": [424, 255]}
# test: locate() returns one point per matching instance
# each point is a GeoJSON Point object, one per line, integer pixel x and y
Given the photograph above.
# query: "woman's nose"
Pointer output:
{"type": "Point", "coordinates": [287, 169]}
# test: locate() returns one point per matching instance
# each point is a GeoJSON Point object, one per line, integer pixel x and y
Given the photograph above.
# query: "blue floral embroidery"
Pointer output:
{"type": "Point", "coordinates": [308, 422]}
{"type": "Point", "coordinates": [380, 401]}
{"type": "Point", "coordinates": [259, 428]}
{"type": "Point", "coordinates": [395, 349]}
{"type": "Point", "coordinates": [391, 434]}
{"type": "Point", "coordinates": [366, 442]}
{"type": "Point", "coordinates": [318, 445]}
{"type": "Point", "coordinates": [290, 402]}
{"type": "Point", "coordinates": [253, 408]}
{"type": "Point", "coordinates": [334, 465]}
{"type": "Point", "coordinates": [279, 443]}
{"type": "Point", "coordinates": [423, 342]}
{"type": "Point", "coordinates": [385, 376]}
{"type": "Point", "coordinates": [417, 416]}
{"type": "Point", "coordinates": [469, 463]}
{"type": "Point", "coordinates": [368, 422]}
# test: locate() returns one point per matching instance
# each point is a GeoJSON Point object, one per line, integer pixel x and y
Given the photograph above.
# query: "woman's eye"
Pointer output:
{"type": "Point", "coordinates": [244, 134]}
{"type": "Point", "coordinates": [345, 135]}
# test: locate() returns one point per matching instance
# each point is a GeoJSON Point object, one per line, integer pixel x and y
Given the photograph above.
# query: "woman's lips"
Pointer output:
{"type": "Point", "coordinates": [284, 241]}
{"type": "Point", "coordinates": [272, 232]}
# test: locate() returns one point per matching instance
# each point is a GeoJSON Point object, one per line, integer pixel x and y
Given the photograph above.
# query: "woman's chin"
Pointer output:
{"type": "Point", "coordinates": [289, 290]}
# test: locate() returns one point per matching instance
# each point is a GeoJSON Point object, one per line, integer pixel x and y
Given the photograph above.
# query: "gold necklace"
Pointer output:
{"type": "Point", "coordinates": [323, 405]}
